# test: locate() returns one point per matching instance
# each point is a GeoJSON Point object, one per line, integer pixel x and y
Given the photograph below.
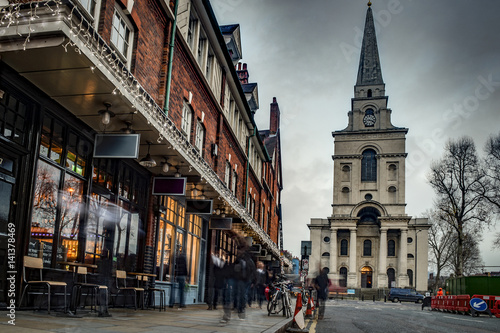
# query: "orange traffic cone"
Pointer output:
{"type": "Point", "coordinates": [310, 307]}
{"type": "Point", "coordinates": [298, 316]}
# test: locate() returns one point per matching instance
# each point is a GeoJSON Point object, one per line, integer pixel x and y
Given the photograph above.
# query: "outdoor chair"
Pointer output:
{"type": "Point", "coordinates": [121, 287]}
{"type": "Point", "coordinates": [95, 290]}
{"type": "Point", "coordinates": [37, 263]}
{"type": "Point", "coordinates": [151, 293]}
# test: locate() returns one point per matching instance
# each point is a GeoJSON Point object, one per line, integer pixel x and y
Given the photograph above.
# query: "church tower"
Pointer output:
{"type": "Point", "coordinates": [369, 241]}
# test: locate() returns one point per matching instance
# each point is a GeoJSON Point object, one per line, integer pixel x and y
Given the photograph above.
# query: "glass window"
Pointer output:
{"type": "Point", "coordinates": [13, 115]}
{"type": "Point", "coordinates": [121, 33]}
{"type": "Point", "coordinates": [191, 30]}
{"type": "Point", "coordinates": [70, 217]}
{"type": "Point", "coordinates": [343, 277]}
{"type": "Point", "coordinates": [410, 277]}
{"type": "Point", "coordinates": [90, 6]}
{"type": "Point", "coordinates": [94, 231]}
{"type": "Point", "coordinates": [187, 117]}
{"type": "Point", "coordinates": [227, 174]}
{"type": "Point", "coordinates": [343, 247]}
{"type": "Point", "coordinates": [43, 219]}
{"type": "Point", "coordinates": [234, 182]}
{"type": "Point", "coordinates": [369, 166]}
{"type": "Point", "coordinates": [367, 248]}
{"type": "Point", "coordinates": [200, 137]}
{"type": "Point", "coordinates": [391, 248]}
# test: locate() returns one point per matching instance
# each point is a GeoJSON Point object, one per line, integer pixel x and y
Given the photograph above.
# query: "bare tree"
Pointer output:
{"type": "Point", "coordinates": [441, 238]}
{"type": "Point", "coordinates": [471, 256]}
{"type": "Point", "coordinates": [492, 193]}
{"type": "Point", "coordinates": [459, 181]}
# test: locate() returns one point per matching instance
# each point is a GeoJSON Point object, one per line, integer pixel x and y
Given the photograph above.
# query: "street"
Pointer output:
{"type": "Point", "coordinates": [358, 316]}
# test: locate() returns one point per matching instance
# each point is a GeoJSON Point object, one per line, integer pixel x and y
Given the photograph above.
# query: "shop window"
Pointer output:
{"type": "Point", "coordinates": [343, 247]}
{"type": "Point", "coordinates": [367, 248]}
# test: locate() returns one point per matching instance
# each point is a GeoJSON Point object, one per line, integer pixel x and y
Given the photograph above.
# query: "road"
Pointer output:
{"type": "Point", "coordinates": [356, 316]}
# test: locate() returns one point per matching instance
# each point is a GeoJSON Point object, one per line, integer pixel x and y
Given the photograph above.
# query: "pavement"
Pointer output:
{"type": "Point", "coordinates": [192, 319]}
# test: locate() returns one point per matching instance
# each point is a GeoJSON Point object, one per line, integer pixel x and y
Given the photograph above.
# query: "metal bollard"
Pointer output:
{"type": "Point", "coordinates": [374, 298]}
{"type": "Point", "coordinates": [362, 297]}
{"type": "Point", "coordinates": [385, 298]}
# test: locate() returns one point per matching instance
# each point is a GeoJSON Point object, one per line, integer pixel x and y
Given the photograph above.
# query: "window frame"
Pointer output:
{"type": "Point", "coordinates": [346, 247]}
{"type": "Point", "coordinates": [125, 55]}
{"type": "Point", "coordinates": [369, 165]}
{"type": "Point", "coordinates": [187, 120]}
{"type": "Point", "coordinates": [199, 139]}
{"type": "Point", "coordinates": [367, 248]}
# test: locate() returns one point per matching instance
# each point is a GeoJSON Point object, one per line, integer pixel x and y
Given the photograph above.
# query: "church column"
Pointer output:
{"type": "Point", "coordinates": [403, 259]}
{"type": "Point", "coordinates": [333, 254]}
{"type": "Point", "coordinates": [352, 276]}
{"type": "Point", "coordinates": [382, 261]}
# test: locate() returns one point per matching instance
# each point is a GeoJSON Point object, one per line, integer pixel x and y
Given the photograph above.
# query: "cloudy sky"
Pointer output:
{"type": "Point", "coordinates": [440, 63]}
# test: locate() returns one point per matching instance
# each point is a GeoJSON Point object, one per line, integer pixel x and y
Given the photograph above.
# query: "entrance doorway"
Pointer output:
{"type": "Point", "coordinates": [391, 277]}
{"type": "Point", "coordinates": [366, 277]}
{"type": "Point", "coordinates": [8, 226]}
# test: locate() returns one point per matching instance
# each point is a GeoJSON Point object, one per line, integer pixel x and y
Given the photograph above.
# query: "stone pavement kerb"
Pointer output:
{"type": "Point", "coordinates": [192, 319]}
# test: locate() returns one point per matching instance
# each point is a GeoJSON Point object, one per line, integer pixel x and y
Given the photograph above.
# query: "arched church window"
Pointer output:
{"type": "Point", "coordinates": [345, 195]}
{"type": "Point", "coordinates": [410, 256]}
{"type": "Point", "coordinates": [325, 254]}
{"type": "Point", "coordinates": [367, 248]}
{"type": "Point", "coordinates": [391, 248]}
{"type": "Point", "coordinates": [326, 239]}
{"type": "Point", "coordinates": [369, 93]}
{"type": "Point", "coordinates": [392, 194]}
{"type": "Point", "coordinates": [410, 277]}
{"type": "Point", "coordinates": [392, 170]}
{"type": "Point", "coordinates": [391, 277]}
{"type": "Point", "coordinates": [346, 173]}
{"type": "Point", "coordinates": [369, 166]}
{"type": "Point", "coordinates": [343, 277]}
{"type": "Point", "coordinates": [343, 247]}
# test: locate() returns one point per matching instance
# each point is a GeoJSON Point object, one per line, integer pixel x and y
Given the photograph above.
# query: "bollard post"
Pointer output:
{"type": "Point", "coordinates": [374, 298]}
{"type": "Point", "coordinates": [362, 297]}
{"type": "Point", "coordinates": [385, 298]}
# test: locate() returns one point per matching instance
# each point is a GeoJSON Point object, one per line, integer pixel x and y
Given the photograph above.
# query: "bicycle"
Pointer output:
{"type": "Point", "coordinates": [279, 300]}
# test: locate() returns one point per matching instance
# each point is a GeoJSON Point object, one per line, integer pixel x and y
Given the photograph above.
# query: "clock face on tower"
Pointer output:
{"type": "Point", "coordinates": [369, 119]}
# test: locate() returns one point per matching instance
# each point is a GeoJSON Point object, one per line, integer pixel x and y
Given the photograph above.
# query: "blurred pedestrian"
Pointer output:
{"type": "Point", "coordinates": [216, 281]}
{"type": "Point", "coordinates": [321, 284]}
{"type": "Point", "coordinates": [260, 283]}
{"type": "Point", "coordinates": [180, 274]}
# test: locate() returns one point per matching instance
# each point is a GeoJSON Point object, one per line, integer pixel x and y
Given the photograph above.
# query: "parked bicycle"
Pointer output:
{"type": "Point", "coordinates": [279, 299]}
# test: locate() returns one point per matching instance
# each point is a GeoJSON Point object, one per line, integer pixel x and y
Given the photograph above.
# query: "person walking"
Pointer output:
{"type": "Point", "coordinates": [321, 284]}
{"type": "Point", "coordinates": [260, 283]}
{"type": "Point", "coordinates": [180, 273]}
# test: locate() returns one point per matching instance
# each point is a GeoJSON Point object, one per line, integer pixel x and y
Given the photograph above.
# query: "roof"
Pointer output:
{"type": "Point", "coordinates": [228, 29]}
{"type": "Point", "coordinates": [369, 71]}
{"type": "Point", "coordinates": [248, 87]}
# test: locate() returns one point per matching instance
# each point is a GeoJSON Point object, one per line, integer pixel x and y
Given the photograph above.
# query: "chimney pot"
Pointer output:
{"type": "Point", "coordinates": [244, 66]}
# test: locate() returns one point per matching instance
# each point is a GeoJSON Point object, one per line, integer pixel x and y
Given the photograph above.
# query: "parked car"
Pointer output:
{"type": "Point", "coordinates": [405, 295]}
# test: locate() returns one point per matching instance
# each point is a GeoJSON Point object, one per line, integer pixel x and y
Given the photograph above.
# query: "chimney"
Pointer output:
{"type": "Point", "coordinates": [242, 73]}
{"type": "Point", "coordinates": [274, 123]}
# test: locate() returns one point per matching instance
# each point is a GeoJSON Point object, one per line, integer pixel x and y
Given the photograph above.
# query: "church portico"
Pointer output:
{"type": "Point", "coordinates": [369, 241]}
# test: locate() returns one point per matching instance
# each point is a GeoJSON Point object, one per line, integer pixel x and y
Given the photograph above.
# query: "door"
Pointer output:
{"type": "Point", "coordinates": [9, 231]}
{"type": "Point", "coordinates": [366, 277]}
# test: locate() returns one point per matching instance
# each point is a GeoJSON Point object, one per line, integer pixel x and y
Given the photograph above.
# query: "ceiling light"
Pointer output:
{"type": "Point", "coordinates": [106, 114]}
{"type": "Point", "coordinates": [128, 129]}
{"type": "Point", "coordinates": [148, 161]}
{"type": "Point", "coordinates": [177, 173]}
{"type": "Point", "coordinates": [165, 166]}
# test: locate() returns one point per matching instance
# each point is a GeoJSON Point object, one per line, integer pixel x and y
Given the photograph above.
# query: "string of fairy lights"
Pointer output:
{"type": "Point", "coordinates": [27, 16]}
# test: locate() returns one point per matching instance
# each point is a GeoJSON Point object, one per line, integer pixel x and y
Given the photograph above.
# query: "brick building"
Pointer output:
{"type": "Point", "coordinates": [159, 77]}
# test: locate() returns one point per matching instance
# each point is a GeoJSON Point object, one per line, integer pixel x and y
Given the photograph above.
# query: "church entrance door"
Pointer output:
{"type": "Point", "coordinates": [366, 277]}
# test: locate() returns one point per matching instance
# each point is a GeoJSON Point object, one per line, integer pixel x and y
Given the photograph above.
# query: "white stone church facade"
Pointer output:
{"type": "Point", "coordinates": [369, 241]}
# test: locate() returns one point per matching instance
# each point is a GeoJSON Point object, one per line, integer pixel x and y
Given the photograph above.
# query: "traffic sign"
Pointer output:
{"type": "Point", "coordinates": [478, 304]}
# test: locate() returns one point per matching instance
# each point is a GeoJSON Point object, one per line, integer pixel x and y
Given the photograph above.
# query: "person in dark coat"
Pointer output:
{"type": "Point", "coordinates": [321, 284]}
{"type": "Point", "coordinates": [260, 283]}
{"type": "Point", "coordinates": [180, 273]}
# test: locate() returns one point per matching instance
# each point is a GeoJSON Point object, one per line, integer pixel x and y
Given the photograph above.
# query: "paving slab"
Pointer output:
{"type": "Point", "coordinates": [192, 319]}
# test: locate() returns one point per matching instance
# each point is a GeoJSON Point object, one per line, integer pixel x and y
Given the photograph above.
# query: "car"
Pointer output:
{"type": "Point", "coordinates": [405, 295]}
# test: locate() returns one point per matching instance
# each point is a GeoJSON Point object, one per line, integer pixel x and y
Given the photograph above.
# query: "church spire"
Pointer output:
{"type": "Point", "coordinates": [369, 72]}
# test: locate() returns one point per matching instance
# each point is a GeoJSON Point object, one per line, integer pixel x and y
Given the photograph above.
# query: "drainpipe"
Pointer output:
{"type": "Point", "coordinates": [248, 164]}
{"type": "Point", "coordinates": [170, 59]}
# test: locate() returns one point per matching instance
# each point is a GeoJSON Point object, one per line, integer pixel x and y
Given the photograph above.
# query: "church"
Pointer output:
{"type": "Point", "coordinates": [369, 241]}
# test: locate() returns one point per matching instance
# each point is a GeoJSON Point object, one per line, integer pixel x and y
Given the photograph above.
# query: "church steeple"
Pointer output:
{"type": "Point", "coordinates": [369, 71]}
